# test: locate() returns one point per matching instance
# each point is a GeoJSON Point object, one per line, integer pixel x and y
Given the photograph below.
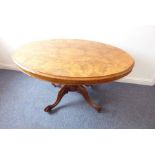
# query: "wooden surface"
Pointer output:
{"type": "Point", "coordinates": [73, 61]}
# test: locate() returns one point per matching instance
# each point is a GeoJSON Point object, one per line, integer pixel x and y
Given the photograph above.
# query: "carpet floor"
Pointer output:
{"type": "Point", "coordinates": [22, 100]}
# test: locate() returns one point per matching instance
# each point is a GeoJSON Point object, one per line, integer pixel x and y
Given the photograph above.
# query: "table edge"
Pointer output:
{"type": "Point", "coordinates": [75, 80]}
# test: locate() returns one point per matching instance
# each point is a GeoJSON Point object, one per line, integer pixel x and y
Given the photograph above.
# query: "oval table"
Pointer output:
{"type": "Point", "coordinates": [73, 64]}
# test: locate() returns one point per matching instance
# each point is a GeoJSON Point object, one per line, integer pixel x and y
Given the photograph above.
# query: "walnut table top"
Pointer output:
{"type": "Point", "coordinates": [73, 61]}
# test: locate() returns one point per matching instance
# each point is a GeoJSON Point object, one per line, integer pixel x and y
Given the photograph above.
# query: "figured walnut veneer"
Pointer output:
{"type": "Point", "coordinates": [71, 61]}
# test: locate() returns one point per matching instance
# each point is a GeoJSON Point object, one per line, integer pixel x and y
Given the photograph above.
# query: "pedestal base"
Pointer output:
{"type": "Point", "coordinates": [73, 88]}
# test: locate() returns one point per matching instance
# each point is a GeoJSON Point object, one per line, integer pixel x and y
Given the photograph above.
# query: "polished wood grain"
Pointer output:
{"type": "Point", "coordinates": [72, 61]}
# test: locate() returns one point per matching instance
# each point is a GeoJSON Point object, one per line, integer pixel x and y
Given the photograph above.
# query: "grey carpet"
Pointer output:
{"type": "Point", "coordinates": [22, 100]}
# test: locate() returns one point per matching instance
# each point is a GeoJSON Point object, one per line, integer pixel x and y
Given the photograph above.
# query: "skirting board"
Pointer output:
{"type": "Point", "coordinates": [8, 66]}
{"type": "Point", "coordinates": [139, 81]}
{"type": "Point", "coordinates": [133, 80]}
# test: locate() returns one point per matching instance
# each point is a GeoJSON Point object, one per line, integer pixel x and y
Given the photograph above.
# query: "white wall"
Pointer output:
{"type": "Point", "coordinates": [28, 21]}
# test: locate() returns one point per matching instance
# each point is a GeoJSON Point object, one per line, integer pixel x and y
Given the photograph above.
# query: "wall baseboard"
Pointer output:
{"type": "Point", "coordinates": [153, 81]}
{"type": "Point", "coordinates": [8, 66]}
{"type": "Point", "coordinates": [139, 81]}
{"type": "Point", "coordinates": [133, 80]}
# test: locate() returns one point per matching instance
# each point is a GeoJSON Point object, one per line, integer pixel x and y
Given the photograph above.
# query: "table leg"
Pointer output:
{"type": "Point", "coordinates": [60, 95]}
{"type": "Point", "coordinates": [73, 88]}
{"type": "Point", "coordinates": [83, 91]}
